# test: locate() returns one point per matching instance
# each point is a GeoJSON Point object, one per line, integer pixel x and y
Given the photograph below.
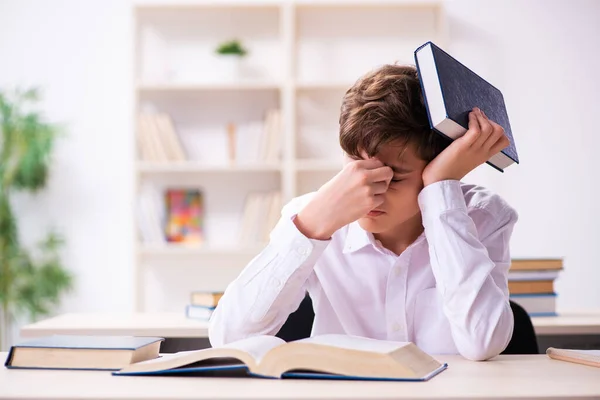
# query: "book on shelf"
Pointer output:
{"type": "Point", "coordinates": [184, 210]}
{"type": "Point", "coordinates": [201, 313]}
{"type": "Point", "coordinates": [82, 352]}
{"type": "Point", "coordinates": [255, 141]}
{"type": "Point", "coordinates": [260, 215]}
{"type": "Point", "coordinates": [451, 91]}
{"type": "Point", "coordinates": [205, 299]}
{"type": "Point", "coordinates": [158, 140]}
{"type": "Point", "coordinates": [150, 215]}
{"type": "Point", "coordinates": [320, 357]}
{"type": "Point", "coordinates": [585, 357]}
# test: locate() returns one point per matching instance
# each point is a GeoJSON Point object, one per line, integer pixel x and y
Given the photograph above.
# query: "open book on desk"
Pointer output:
{"type": "Point", "coordinates": [320, 357]}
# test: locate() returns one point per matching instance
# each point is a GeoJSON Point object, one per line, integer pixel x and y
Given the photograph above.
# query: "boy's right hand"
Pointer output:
{"type": "Point", "coordinates": [357, 189]}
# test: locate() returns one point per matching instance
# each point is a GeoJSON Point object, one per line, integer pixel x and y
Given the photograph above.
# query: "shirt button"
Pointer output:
{"type": "Point", "coordinates": [302, 251]}
{"type": "Point", "coordinates": [276, 282]}
{"type": "Point", "coordinates": [396, 327]}
{"type": "Point", "coordinates": [398, 272]}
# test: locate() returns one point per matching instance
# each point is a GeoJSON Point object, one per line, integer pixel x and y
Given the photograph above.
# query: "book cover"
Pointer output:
{"type": "Point", "coordinates": [184, 216]}
{"type": "Point", "coordinates": [451, 91]}
{"type": "Point", "coordinates": [82, 352]}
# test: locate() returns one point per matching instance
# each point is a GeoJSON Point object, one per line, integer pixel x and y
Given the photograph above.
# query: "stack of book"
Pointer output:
{"type": "Point", "coordinates": [260, 215]}
{"type": "Point", "coordinates": [257, 141]}
{"type": "Point", "coordinates": [202, 305]}
{"type": "Point", "coordinates": [157, 138]}
{"type": "Point", "coordinates": [531, 285]}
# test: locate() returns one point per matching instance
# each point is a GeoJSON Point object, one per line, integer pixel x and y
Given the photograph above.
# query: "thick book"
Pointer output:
{"type": "Point", "coordinates": [83, 352]}
{"type": "Point", "coordinates": [585, 357]}
{"type": "Point", "coordinates": [451, 91]}
{"type": "Point", "coordinates": [320, 357]}
{"type": "Point", "coordinates": [550, 264]}
{"type": "Point", "coordinates": [205, 299]}
{"type": "Point", "coordinates": [537, 305]}
{"type": "Point", "coordinates": [531, 287]}
{"type": "Point", "coordinates": [199, 312]}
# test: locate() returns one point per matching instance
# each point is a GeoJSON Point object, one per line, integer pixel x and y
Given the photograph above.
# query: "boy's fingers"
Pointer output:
{"type": "Point", "coordinates": [379, 187]}
{"type": "Point", "coordinates": [496, 135]}
{"type": "Point", "coordinates": [370, 163]}
{"type": "Point", "coordinates": [486, 128]}
{"type": "Point", "coordinates": [474, 130]}
{"type": "Point", "coordinates": [500, 144]}
{"type": "Point", "coordinates": [382, 174]}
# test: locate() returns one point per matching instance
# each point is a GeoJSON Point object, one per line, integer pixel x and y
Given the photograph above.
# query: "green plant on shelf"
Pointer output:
{"type": "Point", "coordinates": [31, 280]}
{"type": "Point", "coordinates": [232, 47]}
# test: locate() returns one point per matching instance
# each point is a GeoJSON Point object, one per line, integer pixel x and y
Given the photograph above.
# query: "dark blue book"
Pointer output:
{"type": "Point", "coordinates": [83, 352]}
{"type": "Point", "coordinates": [451, 91]}
{"type": "Point", "coordinates": [322, 357]}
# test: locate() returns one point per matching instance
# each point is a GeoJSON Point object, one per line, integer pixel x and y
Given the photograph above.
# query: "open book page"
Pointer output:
{"type": "Point", "coordinates": [355, 343]}
{"type": "Point", "coordinates": [256, 346]}
{"type": "Point", "coordinates": [587, 357]}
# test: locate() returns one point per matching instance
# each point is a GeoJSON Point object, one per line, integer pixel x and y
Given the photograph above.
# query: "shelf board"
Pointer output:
{"type": "Point", "coordinates": [303, 4]}
{"type": "Point", "coordinates": [146, 167]}
{"type": "Point", "coordinates": [167, 250]}
{"type": "Point", "coordinates": [318, 165]}
{"type": "Point", "coordinates": [323, 85]}
{"type": "Point", "coordinates": [207, 4]}
{"type": "Point", "coordinates": [199, 87]}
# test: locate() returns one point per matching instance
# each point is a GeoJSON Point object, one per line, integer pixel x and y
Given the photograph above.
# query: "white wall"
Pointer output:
{"type": "Point", "coordinates": [79, 52]}
{"type": "Point", "coordinates": [542, 54]}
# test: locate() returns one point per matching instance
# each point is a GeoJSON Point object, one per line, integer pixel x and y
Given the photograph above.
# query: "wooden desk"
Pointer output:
{"type": "Point", "coordinates": [175, 325]}
{"type": "Point", "coordinates": [568, 324]}
{"type": "Point", "coordinates": [180, 332]}
{"type": "Point", "coordinates": [171, 325]}
{"type": "Point", "coordinates": [521, 377]}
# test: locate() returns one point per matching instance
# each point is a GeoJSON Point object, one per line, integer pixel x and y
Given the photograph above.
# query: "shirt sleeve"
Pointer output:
{"type": "Point", "coordinates": [470, 258]}
{"type": "Point", "coordinates": [270, 287]}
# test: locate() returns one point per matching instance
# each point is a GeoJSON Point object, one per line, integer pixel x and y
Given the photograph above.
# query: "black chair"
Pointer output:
{"type": "Point", "coordinates": [523, 341]}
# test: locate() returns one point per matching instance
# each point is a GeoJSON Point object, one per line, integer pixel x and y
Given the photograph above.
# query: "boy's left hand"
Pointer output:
{"type": "Point", "coordinates": [484, 139]}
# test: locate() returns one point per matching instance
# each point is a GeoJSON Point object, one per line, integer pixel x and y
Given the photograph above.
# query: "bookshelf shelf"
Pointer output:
{"type": "Point", "coordinates": [307, 165]}
{"type": "Point", "coordinates": [167, 250]}
{"type": "Point", "coordinates": [338, 86]}
{"type": "Point", "coordinates": [194, 167]}
{"type": "Point", "coordinates": [303, 56]}
{"type": "Point", "coordinates": [199, 87]}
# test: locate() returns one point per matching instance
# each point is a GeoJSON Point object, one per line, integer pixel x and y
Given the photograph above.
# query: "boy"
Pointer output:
{"type": "Point", "coordinates": [393, 247]}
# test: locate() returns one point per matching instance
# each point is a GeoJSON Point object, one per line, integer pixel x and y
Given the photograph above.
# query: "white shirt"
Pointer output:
{"type": "Point", "coordinates": [447, 292]}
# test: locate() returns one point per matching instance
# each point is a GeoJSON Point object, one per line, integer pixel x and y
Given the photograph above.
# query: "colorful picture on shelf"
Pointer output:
{"type": "Point", "coordinates": [184, 216]}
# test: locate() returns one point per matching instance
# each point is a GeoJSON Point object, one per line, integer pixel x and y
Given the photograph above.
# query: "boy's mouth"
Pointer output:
{"type": "Point", "coordinates": [375, 213]}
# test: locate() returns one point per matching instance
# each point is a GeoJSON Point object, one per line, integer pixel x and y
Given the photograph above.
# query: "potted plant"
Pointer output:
{"type": "Point", "coordinates": [31, 280]}
{"type": "Point", "coordinates": [230, 54]}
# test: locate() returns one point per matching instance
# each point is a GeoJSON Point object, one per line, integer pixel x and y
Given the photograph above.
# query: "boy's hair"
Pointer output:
{"type": "Point", "coordinates": [386, 106]}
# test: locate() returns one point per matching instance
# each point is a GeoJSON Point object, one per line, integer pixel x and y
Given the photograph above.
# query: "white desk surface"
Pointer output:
{"type": "Point", "coordinates": [175, 325]}
{"type": "Point", "coordinates": [523, 377]}
{"type": "Point", "coordinates": [168, 325]}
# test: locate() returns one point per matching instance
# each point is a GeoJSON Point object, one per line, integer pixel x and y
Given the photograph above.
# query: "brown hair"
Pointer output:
{"type": "Point", "coordinates": [386, 106]}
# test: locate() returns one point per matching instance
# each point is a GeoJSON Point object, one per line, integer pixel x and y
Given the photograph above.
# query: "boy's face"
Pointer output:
{"type": "Point", "coordinates": [400, 201]}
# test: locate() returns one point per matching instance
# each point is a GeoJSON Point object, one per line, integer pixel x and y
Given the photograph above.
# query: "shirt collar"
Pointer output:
{"type": "Point", "coordinates": [357, 238]}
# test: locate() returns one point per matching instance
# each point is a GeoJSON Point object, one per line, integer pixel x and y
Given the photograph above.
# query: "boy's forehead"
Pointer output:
{"type": "Point", "coordinates": [398, 155]}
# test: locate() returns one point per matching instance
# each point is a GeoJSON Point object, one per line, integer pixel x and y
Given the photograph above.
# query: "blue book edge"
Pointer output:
{"type": "Point", "coordinates": [287, 375]}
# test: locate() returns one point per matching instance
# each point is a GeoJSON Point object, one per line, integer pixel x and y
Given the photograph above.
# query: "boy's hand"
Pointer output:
{"type": "Point", "coordinates": [357, 189]}
{"type": "Point", "coordinates": [484, 139]}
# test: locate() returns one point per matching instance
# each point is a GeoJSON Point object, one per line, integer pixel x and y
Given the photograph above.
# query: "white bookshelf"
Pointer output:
{"type": "Point", "coordinates": [303, 56]}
